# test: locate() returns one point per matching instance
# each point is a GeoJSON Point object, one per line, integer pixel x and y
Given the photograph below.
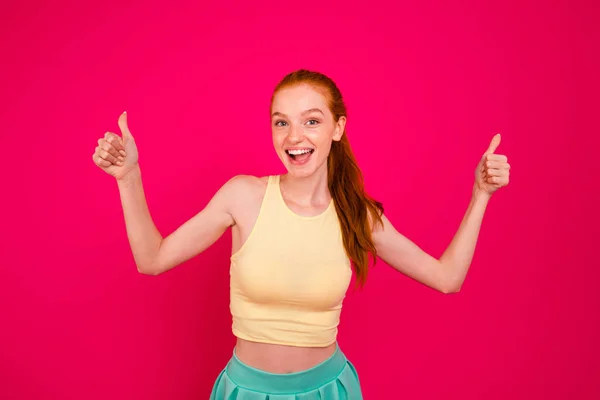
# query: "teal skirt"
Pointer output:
{"type": "Point", "coordinates": [333, 379]}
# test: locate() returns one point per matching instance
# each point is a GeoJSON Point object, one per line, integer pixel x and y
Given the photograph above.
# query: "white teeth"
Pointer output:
{"type": "Point", "coordinates": [298, 152]}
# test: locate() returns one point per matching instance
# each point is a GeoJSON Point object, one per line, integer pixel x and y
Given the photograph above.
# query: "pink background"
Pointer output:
{"type": "Point", "coordinates": [427, 86]}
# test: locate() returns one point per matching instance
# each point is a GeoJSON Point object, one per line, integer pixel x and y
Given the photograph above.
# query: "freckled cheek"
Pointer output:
{"type": "Point", "coordinates": [316, 136]}
{"type": "Point", "coordinates": [323, 143]}
{"type": "Point", "coordinates": [278, 139]}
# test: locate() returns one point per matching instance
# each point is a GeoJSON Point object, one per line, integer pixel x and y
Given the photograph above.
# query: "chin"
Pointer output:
{"type": "Point", "coordinates": [298, 170]}
{"type": "Point", "coordinates": [299, 173]}
{"type": "Point", "coordinates": [303, 171]}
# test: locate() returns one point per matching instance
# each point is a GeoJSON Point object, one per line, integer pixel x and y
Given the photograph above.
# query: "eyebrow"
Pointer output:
{"type": "Point", "coordinates": [277, 113]}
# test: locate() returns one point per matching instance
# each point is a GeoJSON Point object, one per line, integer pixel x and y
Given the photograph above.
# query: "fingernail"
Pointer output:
{"type": "Point", "coordinates": [121, 159]}
{"type": "Point", "coordinates": [123, 153]}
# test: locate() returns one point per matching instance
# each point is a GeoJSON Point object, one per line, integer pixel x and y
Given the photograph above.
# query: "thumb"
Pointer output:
{"type": "Point", "coordinates": [124, 127]}
{"type": "Point", "coordinates": [494, 144]}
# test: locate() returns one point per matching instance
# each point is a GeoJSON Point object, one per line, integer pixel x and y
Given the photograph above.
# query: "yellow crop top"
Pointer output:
{"type": "Point", "coordinates": [289, 278]}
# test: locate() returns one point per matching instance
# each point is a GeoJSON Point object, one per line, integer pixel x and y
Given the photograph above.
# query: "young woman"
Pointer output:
{"type": "Point", "coordinates": [295, 239]}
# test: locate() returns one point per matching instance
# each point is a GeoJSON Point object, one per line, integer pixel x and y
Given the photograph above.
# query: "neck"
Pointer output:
{"type": "Point", "coordinates": [308, 190]}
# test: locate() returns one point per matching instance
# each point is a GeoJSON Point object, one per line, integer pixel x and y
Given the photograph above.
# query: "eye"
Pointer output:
{"type": "Point", "coordinates": [313, 120]}
{"type": "Point", "coordinates": [278, 123]}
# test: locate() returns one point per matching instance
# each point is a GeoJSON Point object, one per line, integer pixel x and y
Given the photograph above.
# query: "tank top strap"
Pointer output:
{"type": "Point", "coordinates": [273, 181]}
{"type": "Point", "coordinates": [272, 193]}
{"type": "Point", "coordinates": [271, 204]}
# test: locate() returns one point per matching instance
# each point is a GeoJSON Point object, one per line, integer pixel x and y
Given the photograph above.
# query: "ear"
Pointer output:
{"type": "Point", "coordinates": [340, 126]}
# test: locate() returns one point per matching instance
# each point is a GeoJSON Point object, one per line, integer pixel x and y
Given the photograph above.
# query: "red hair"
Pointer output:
{"type": "Point", "coordinates": [355, 209]}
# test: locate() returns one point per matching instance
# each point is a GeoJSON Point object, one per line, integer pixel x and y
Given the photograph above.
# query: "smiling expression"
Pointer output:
{"type": "Point", "coordinates": [303, 129]}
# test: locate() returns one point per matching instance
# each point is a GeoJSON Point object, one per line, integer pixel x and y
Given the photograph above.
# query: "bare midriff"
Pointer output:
{"type": "Point", "coordinates": [280, 359]}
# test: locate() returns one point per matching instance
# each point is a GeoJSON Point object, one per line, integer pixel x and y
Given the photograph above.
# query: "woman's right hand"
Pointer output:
{"type": "Point", "coordinates": [117, 155]}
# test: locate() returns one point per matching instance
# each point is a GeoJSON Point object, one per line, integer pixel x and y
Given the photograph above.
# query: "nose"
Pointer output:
{"type": "Point", "coordinates": [296, 134]}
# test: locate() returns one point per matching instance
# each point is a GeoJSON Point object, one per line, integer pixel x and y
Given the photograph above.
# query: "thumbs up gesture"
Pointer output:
{"type": "Point", "coordinates": [492, 172]}
{"type": "Point", "coordinates": [117, 155]}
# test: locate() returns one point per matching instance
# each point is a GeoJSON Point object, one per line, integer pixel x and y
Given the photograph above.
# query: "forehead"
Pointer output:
{"type": "Point", "coordinates": [296, 99]}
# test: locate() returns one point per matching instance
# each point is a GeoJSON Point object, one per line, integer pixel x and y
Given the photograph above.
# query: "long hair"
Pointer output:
{"type": "Point", "coordinates": [356, 211]}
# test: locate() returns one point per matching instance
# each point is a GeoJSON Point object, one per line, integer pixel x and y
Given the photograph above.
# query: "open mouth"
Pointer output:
{"type": "Point", "coordinates": [299, 156]}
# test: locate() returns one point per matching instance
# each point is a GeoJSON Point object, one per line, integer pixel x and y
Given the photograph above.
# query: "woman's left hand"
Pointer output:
{"type": "Point", "coordinates": [493, 170]}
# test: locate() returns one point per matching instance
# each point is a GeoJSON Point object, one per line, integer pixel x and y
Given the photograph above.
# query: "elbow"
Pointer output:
{"type": "Point", "coordinates": [144, 270]}
{"type": "Point", "coordinates": [449, 283]}
{"type": "Point", "coordinates": [149, 269]}
{"type": "Point", "coordinates": [150, 262]}
{"type": "Point", "coordinates": [450, 288]}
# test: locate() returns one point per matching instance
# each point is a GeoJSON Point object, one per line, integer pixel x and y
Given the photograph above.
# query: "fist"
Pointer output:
{"type": "Point", "coordinates": [493, 170]}
{"type": "Point", "coordinates": [117, 155]}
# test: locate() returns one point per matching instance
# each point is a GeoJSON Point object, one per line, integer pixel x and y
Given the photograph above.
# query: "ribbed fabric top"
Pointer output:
{"type": "Point", "coordinates": [289, 279]}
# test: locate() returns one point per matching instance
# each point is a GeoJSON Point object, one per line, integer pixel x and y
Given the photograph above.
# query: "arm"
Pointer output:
{"type": "Point", "coordinates": [445, 274]}
{"type": "Point", "coordinates": [449, 272]}
{"type": "Point", "coordinates": [154, 254]}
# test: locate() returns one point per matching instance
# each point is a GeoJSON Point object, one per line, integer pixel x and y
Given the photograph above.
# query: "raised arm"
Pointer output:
{"type": "Point", "coordinates": [447, 273]}
{"type": "Point", "coordinates": [153, 254]}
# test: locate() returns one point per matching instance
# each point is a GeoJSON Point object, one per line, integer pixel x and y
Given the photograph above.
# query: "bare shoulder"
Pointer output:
{"type": "Point", "coordinates": [245, 194]}
{"type": "Point", "coordinates": [246, 185]}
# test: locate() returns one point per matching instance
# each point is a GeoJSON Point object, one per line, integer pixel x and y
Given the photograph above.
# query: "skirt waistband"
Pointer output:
{"type": "Point", "coordinates": [312, 378]}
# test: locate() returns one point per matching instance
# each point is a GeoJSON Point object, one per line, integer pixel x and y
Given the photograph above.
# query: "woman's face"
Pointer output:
{"type": "Point", "coordinates": [303, 129]}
